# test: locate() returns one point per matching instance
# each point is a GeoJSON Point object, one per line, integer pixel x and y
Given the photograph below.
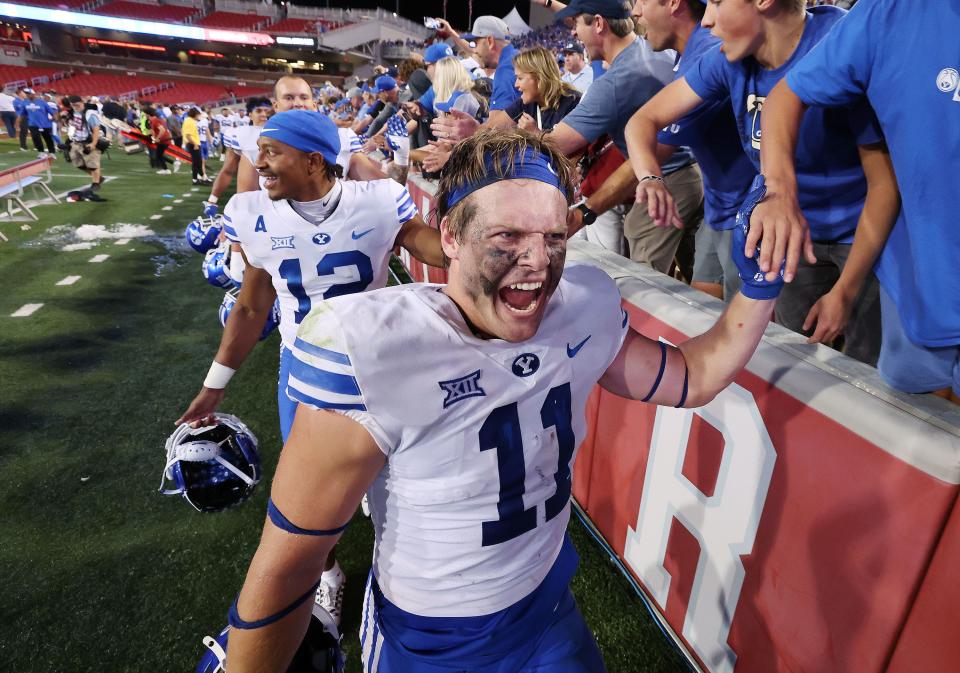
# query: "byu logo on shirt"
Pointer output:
{"type": "Point", "coordinates": [949, 81]}
{"type": "Point", "coordinates": [282, 242]}
{"type": "Point", "coordinates": [461, 388]}
{"type": "Point", "coordinates": [526, 364]}
{"type": "Point", "coordinates": [754, 108]}
{"type": "Point", "coordinates": [321, 238]}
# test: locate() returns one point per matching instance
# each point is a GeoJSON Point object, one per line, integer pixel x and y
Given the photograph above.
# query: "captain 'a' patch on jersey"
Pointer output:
{"type": "Point", "coordinates": [348, 252]}
{"type": "Point", "coordinates": [480, 435]}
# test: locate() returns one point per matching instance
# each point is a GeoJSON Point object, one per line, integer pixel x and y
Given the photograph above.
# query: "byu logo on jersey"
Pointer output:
{"type": "Point", "coordinates": [282, 242]}
{"type": "Point", "coordinates": [526, 364]}
{"type": "Point", "coordinates": [321, 238]}
{"type": "Point", "coordinates": [461, 388]}
{"type": "Point", "coordinates": [949, 81]}
{"type": "Point", "coordinates": [754, 108]}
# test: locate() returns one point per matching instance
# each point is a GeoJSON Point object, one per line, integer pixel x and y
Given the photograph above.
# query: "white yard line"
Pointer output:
{"type": "Point", "coordinates": [97, 259]}
{"type": "Point", "coordinates": [25, 310]}
{"type": "Point", "coordinates": [156, 217]}
{"type": "Point", "coordinates": [167, 208]}
{"type": "Point", "coordinates": [69, 280]}
{"type": "Point", "coordinates": [122, 241]}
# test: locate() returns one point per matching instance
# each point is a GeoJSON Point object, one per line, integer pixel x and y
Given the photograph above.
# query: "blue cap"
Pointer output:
{"type": "Point", "coordinates": [444, 106]}
{"type": "Point", "coordinates": [609, 9]}
{"type": "Point", "coordinates": [384, 83]}
{"type": "Point", "coordinates": [305, 130]}
{"type": "Point", "coordinates": [437, 51]}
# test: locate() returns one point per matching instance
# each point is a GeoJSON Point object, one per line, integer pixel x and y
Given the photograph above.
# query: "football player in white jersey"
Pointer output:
{"type": "Point", "coordinates": [458, 409]}
{"type": "Point", "coordinates": [306, 236]}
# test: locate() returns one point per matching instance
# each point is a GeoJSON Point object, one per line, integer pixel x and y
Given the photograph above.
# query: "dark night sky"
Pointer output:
{"type": "Point", "coordinates": [417, 9]}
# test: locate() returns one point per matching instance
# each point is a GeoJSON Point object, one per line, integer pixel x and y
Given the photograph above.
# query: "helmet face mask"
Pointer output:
{"type": "Point", "coordinates": [203, 232]}
{"type": "Point", "coordinates": [212, 467]}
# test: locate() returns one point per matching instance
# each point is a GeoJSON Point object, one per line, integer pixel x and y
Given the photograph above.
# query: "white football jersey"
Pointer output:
{"type": "Point", "coordinates": [470, 511]}
{"type": "Point", "coordinates": [348, 252]}
{"type": "Point", "coordinates": [349, 145]}
{"type": "Point", "coordinates": [243, 139]}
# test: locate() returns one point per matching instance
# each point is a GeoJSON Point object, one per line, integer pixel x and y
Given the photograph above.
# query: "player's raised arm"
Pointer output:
{"type": "Point", "coordinates": [693, 373]}
{"type": "Point", "coordinates": [671, 103]}
{"type": "Point", "coordinates": [325, 467]}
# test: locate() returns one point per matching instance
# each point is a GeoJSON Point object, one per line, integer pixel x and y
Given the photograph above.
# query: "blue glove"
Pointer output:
{"type": "Point", "coordinates": [754, 284]}
{"type": "Point", "coordinates": [209, 209]}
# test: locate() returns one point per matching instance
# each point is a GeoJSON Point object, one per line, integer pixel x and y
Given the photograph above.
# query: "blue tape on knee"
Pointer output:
{"type": "Point", "coordinates": [663, 365]}
{"type": "Point", "coordinates": [283, 523]}
{"type": "Point", "coordinates": [234, 620]}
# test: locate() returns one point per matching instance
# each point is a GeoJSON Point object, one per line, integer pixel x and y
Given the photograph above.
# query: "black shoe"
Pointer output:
{"type": "Point", "coordinates": [93, 196]}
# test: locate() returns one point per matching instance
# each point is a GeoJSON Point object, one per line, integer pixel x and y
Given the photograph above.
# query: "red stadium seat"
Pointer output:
{"type": "Point", "coordinates": [147, 12]}
{"type": "Point", "coordinates": [232, 20]}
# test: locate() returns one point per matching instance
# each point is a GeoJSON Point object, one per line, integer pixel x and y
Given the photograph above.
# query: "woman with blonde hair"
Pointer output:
{"type": "Point", "coordinates": [453, 88]}
{"type": "Point", "coordinates": [545, 99]}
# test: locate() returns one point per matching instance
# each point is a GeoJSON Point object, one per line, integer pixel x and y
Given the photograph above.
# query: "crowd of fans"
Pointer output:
{"type": "Point", "coordinates": [541, 82]}
{"type": "Point", "coordinates": [668, 202]}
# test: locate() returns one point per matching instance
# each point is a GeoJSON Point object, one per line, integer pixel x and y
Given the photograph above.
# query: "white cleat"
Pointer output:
{"type": "Point", "coordinates": [330, 592]}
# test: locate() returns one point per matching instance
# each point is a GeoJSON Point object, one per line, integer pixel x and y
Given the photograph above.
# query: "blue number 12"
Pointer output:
{"type": "Point", "coordinates": [290, 271]}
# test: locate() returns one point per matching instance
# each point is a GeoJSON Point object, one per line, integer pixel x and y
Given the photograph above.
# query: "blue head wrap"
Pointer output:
{"type": "Point", "coordinates": [305, 130]}
{"type": "Point", "coordinates": [531, 165]}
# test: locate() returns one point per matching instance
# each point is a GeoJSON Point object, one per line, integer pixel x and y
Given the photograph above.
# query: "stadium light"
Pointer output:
{"type": "Point", "coordinates": [133, 25]}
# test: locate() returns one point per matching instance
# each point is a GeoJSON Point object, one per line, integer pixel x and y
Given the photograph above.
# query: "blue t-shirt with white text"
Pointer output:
{"type": "Point", "coordinates": [907, 63]}
{"type": "Point", "coordinates": [830, 181]}
{"type": "Point", "coordinates": [710, 131]}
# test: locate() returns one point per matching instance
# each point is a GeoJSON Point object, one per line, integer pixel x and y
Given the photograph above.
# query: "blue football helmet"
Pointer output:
{"type": "Point", "coordinates": [319, 652]}
{"type": "Point", "coordinates": [203, 232]}
{"type": "Point", "coordinates": [216, 264]}
{"type": "Point", "coordinates": [212, 467]}
{"type": "Point", "coordinates": [230, 298]}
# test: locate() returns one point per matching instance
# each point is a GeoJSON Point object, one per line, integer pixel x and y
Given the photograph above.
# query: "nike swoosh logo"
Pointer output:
{"type": "Point", "coordinates": [572, 351]}
{"type": "Point", "coordinates": [355, 235]}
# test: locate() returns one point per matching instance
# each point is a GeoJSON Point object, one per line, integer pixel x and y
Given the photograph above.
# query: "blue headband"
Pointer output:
{"type": "Point", "coordinates": [307, 131]}
{"type": "Point", "coordinates": [532, 165]}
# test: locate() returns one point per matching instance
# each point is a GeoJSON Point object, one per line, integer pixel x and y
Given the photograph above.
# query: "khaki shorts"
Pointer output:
{"type": "Point", "coordinates": [90, 161]}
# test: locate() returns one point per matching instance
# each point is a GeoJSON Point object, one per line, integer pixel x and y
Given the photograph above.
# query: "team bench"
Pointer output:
{"type": "Point", "coordinates": [14, 180]}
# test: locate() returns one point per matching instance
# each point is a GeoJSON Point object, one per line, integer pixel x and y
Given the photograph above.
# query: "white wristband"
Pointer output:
{"type": "Point", "coordinates": [212, 199]}
{"type": "Point", "coordinates": [219, 376]}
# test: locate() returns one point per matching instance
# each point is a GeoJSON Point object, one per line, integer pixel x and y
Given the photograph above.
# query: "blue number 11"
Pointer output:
{"type": "Point", "coordinates": [501, 431]}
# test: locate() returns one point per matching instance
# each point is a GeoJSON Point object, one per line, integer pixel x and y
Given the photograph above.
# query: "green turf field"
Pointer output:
{"type": "Point", "coordinates": [100, 572]}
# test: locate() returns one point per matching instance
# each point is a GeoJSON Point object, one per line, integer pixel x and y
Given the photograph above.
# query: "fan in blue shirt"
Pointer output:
{"type": "Point", "coordinates": [907, 64]}
{"type": "Point", "coordinates": [762, 41]}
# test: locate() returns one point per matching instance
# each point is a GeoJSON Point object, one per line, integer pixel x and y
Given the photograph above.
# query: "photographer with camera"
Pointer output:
{"type": "Point", "coordinates": [87, 142]}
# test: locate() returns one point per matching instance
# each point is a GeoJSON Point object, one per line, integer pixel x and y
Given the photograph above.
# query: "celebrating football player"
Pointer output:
{"type": "Point", "coordinates": [306, 236]}
{"type": "Point", "coordinates": [458, 409]}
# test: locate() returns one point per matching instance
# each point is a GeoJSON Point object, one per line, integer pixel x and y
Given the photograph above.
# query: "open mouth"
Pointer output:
{"type": "Point", "coordinates": [269, 181]}
{"type": "Point", "coordinates": [522, 298]}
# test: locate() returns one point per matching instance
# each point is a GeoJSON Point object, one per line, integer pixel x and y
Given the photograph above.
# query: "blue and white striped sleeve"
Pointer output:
{"type": "Point", "coordinates": [323, 378]}
{"type": "Point", "coordinates": [355, 144]}
{"type": "Point", "coordinates": [228, 227]}
{"type": "Point", "coordinates": [323, 375]}
{"type": "Point", "coordinates": [406, 208]}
